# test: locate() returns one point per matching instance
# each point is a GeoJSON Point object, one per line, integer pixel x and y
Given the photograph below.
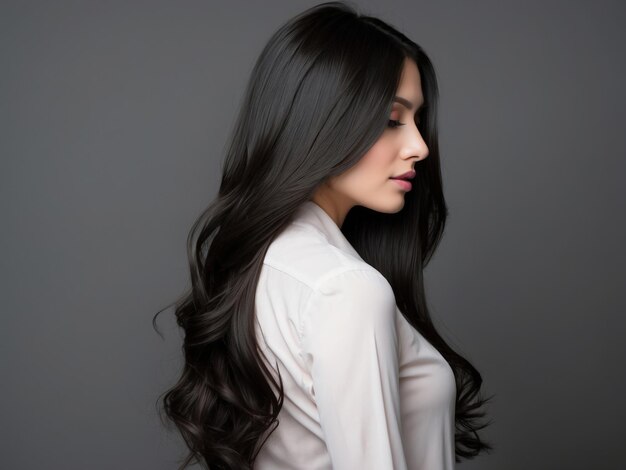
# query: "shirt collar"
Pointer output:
{"type": "Point", "coordinates": [312, 215]}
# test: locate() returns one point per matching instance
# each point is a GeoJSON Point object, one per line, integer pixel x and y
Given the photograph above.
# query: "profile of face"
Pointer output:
{"type": "Point", "coordinates": [400, 146]}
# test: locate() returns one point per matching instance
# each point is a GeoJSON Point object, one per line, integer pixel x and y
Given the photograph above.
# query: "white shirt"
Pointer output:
{"type": "Point", "coordinates": [363, 388]}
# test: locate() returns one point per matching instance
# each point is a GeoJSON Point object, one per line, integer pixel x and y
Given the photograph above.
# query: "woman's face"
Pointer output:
{"type": "Point", "coordinates": [397, 150]}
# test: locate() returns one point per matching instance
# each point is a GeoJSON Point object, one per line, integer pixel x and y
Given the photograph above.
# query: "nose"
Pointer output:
{"type": "Point", "coordinates": [414, 146]}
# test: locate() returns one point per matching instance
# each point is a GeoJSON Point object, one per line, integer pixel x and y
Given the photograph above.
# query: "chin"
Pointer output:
{"type": "Point", "coordinates": [399, 207]}
{"type": "Point", "coordinates": [391, 208]}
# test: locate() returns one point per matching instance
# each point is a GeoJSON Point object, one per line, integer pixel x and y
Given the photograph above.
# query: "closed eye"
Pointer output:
{"type": "Point", "coordinates": [395, 123]}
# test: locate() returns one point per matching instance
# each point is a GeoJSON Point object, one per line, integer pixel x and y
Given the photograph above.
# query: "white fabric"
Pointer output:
{"type": "Point", "coordinates": [363, 388]}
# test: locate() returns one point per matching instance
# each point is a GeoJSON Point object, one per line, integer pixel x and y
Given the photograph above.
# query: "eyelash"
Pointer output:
{"type": "Point", "coordinates": [395, 123]}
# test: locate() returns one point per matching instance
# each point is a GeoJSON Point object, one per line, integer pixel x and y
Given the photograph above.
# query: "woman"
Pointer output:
{"type": "Point", "coordinates": [308, 342]}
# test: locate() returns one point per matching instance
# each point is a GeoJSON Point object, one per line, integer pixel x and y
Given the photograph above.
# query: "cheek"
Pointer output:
{"type": "Point", "coordinates": [371, 172]}
{"type": "Point", "coordinates": [380, 158]}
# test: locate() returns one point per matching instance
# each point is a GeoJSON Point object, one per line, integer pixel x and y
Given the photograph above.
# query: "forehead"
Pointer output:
{"type": "Point", "coordinates": [410, 86]}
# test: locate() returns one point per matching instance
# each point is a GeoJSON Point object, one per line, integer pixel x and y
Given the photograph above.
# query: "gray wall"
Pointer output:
{"type": "Point", "coordinates": [113, 117]}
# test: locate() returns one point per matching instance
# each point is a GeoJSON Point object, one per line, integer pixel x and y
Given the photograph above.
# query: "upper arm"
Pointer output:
{"type": "Point", "coordinates": [351, 344]}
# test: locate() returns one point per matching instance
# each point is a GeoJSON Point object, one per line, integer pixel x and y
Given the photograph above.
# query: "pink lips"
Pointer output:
{"type": "Point", "coordinates": [406, 176]}
{"type": "Point", "coordinates": [402, 179]}
{"type": "Point", "coordinates": [403, 184]}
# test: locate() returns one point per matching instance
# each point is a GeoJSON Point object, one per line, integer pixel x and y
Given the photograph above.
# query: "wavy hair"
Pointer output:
{"type": "Point", "coordinates": [319, 96]}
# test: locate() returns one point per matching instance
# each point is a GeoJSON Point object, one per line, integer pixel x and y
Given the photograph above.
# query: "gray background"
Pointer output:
{"type": "Point", "coordinates": [113, 120]}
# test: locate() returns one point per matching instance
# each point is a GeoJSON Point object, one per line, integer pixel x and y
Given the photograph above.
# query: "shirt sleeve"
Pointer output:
{"type": "Point", "coordinates": [350, 343]}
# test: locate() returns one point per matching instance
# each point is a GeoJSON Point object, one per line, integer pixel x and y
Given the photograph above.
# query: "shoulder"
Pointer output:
{"type": "Point", "coordinates": [305, 254]}
{"type": "Point", "coordinates": [353, 310]}
{"type": "Point", "coordinates": [357, 291]}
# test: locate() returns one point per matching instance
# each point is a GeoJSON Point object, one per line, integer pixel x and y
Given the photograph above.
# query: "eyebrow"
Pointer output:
{"type": "Point", "coordinates": [406, 103]}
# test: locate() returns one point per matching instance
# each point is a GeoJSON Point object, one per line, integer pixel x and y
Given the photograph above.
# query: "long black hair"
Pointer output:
{"type": "Point", "coordinates": [319, 96]}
